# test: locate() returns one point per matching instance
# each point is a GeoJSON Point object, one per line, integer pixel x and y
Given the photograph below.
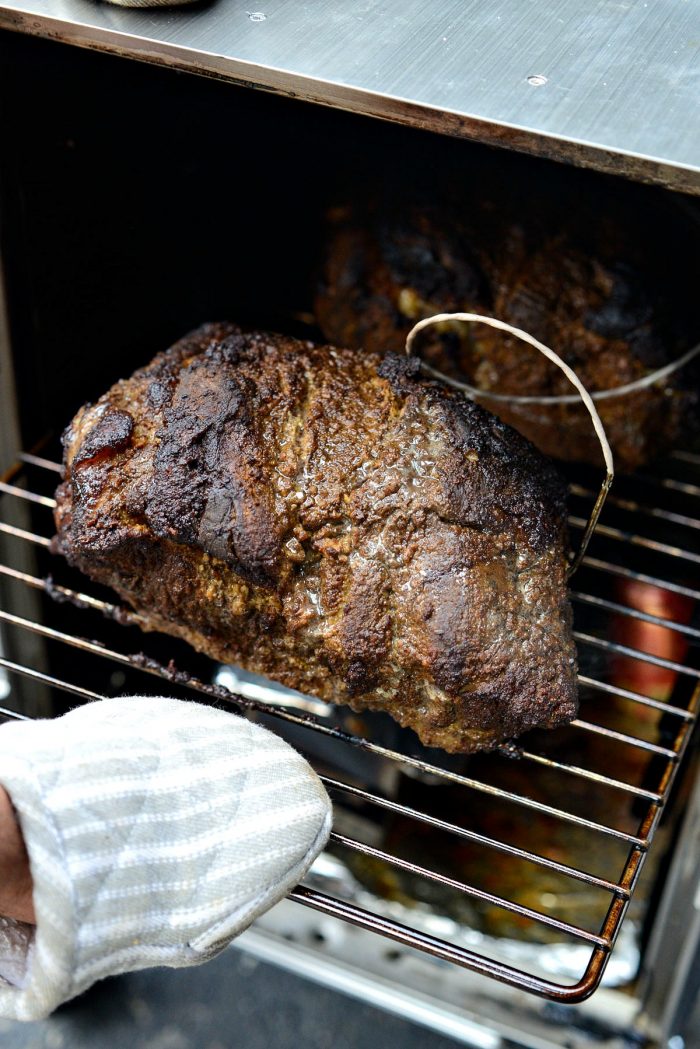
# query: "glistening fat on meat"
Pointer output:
{"type": "Point", "coordinates": [336, 521]}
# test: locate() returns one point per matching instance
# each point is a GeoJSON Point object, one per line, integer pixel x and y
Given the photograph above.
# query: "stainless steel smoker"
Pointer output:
{"type": "Point", "coordinates": [164, 167]}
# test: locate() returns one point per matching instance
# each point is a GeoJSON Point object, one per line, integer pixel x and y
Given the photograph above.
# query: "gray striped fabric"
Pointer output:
{"type": "Point", "coordinates": [157, 830]}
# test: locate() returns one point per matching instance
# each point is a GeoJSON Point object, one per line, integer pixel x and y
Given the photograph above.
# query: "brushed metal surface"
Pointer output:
{"type": "Point", "coordinates": [612, 84]}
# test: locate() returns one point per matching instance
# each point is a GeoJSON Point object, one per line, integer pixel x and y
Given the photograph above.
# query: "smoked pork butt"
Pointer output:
{"type": "Point", "coordinates": [611, 299]}
{"type": "Point", "coordinates": [336, 521]}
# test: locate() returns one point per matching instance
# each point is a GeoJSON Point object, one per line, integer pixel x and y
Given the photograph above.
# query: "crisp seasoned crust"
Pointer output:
{"type": "Point", "coordinates": [608, 299]}
{"type": "Point", "coordinates": [341, 524]}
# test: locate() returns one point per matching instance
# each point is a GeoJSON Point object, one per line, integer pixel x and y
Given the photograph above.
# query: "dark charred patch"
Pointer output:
{"type": "Point", "coordinates": [580, 273]}
{"type": "Point", "coordinates": [432, 584]}
{"type": "Point", "coordinates": [110, 435]}
{"type": "Point", "coordinates": [400, 372]}
{"type": "Point", "coordinates": [206, 488]}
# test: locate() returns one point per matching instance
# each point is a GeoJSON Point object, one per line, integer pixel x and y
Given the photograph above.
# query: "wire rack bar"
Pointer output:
{"type": "Point", "coordinates": [23, 493]}
{"type": "Point", "coordinates": [640, 509]}
{"type": "Point", "coordinates": [470, 835]}
{"type": "Point", "coordinates": [13, 715]}
{"type": "Point", "coordinates": [73, 597]}
{"type": "Point", "coordinates": [216, 692]}
{"type": "Point", "coordinates": [635, 697]}
{"type": "Point", "coordinates": [21, 533]}
{"type": "Point", "coordinates": [594, 777]}
{"type": "Point", "coordinates": [635, 653]}
{"type": "Point", "coordinates": [684, 487]}
{"type": "Point", "coordinates": [636, 540]}
{"type": "Point", "coordinates": [469, 890]}
{"type": "Point", "coordinates": [637, 844]}
{"type": "Point", "coordinates": [38, 460]}
{"type": "Point", "coordinates": [622, 737]}
{"type": "Point", "coordinates": [622, 572]}
{"type": "Point", "coordinates": [633, 613]}
{"type": "Point", "coordinates": [468, 959]}
{"type": "Point", "coordinates": [46, 679]}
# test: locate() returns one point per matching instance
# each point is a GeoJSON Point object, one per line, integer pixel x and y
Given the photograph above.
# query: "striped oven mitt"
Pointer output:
{"type": "Point", "coordinates": [157, 830]}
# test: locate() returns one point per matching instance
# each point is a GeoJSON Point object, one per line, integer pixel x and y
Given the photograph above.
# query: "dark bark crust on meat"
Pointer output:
{"type": "Point", "coordinates": [344, 525]}
{"type": "Point", "coordinates": [581, 283]}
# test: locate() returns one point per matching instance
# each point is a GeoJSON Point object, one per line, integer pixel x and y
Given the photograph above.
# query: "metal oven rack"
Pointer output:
{"type": "Point", "coordinates": [651, 523]}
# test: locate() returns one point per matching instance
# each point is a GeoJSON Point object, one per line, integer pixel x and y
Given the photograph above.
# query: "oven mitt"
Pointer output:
{"type": "Point", "coordinates": [157, 830]}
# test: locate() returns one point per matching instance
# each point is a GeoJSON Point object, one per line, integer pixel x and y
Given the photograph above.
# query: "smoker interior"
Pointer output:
{"type": "Point", "coordinates": [138, 202]}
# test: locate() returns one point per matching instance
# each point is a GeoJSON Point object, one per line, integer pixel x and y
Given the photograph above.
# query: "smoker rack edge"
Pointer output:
{"type": "Point", "coordinates": [621, 890]}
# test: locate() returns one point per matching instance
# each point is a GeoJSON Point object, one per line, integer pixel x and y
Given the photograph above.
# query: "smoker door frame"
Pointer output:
{"type": "Point", "coordinates": [608, 87]}
{"type": "Point", "coordinates": [30, 697]}
{"type": "Point", "coordinates": [670, 976]}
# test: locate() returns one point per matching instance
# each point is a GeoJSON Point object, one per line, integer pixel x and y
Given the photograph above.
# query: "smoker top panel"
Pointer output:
{"type": "Point", "coordinates": [622, 76]}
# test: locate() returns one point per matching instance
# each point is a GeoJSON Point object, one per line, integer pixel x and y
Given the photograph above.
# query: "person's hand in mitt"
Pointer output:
{"type": "Point", "coordinates": [137, 832]}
